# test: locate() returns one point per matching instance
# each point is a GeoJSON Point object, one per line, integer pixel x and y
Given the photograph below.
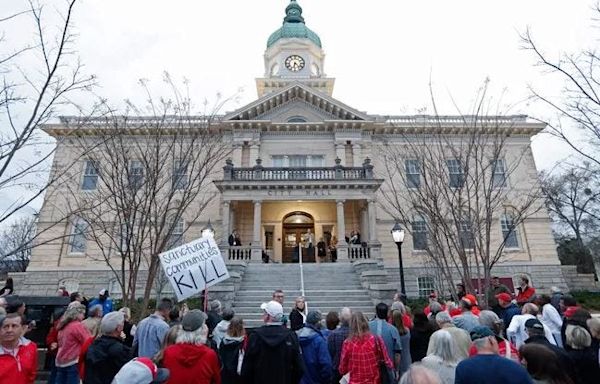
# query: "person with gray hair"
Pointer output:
{"type": "Point", "coordinates": [335, 340]}
{"type": "Point", "coordinates": [419, 374]}
{"type": "Point", "coordinates": [214, 315]}
{"type": "Point", "coordinates": [460, 337]}
{"type": "Point", "coordinates": [92, 323]}
{"type": "Point", "coordinates": [221, 329]}
{"type": "Point", "coordinates": [442, 356]}
{"type": "Point", "coordinates": [189, 360]}
{"type": "Point", "coordinates": [107, 354]}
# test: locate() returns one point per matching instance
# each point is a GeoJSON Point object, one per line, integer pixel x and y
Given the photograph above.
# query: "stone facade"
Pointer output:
{"type": "Point", "coordinates": [296, 149]}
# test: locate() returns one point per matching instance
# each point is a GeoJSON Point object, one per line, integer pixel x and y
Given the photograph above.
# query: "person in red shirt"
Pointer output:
{"type": "Point", "coordinates": [360, 353]}
{"type": "Point", "coordinates": [189, 360]}
{"type": "Point", "coordinates": [524, 292]}
{"type": "Point", "coordinates": [18, 355]}
{"type": "Point", "coordinates": [475, 308]}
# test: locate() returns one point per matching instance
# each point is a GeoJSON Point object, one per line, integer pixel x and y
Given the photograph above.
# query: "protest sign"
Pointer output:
{"type": "Point", "coordinates": [194, 266]}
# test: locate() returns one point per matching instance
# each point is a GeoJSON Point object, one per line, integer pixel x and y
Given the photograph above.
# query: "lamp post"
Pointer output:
{"type": "Point", "coordinates": [207, 232]}
{"type": "Point", "coordinates": [398, 235]}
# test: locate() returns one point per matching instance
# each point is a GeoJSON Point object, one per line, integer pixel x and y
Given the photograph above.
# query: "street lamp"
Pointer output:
{"type": "Point", "coordinates": [398, 235]}
{"type": "Point", "coordinates": [208, 231]}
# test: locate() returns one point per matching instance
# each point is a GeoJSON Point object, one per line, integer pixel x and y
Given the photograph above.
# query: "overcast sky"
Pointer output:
{"type": "Point", "coordinates": [382, 53]}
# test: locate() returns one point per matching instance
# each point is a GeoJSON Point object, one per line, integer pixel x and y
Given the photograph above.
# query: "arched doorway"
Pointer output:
{"type": "Point", "coordinates": [296, 226]}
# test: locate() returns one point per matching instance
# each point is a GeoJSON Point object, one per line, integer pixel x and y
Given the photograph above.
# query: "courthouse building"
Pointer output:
{"type": "Point", "coordinates": [304, 166]}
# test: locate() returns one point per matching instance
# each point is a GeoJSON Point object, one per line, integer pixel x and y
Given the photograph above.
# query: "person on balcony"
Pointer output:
{"type": "Point", "coordinates": [234, 239]}
{"type": "Point", "coordinates": [321, 250]}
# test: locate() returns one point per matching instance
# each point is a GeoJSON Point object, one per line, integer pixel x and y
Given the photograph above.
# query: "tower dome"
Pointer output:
{"type": "Point", "coordinates": [293, 27]}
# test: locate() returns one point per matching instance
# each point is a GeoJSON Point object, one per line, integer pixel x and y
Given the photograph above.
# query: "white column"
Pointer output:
{"type": "Point", "coordinates": [357, 155]}
{"type": "Point", "coordinates": [372, 221]}
{"type": "Point", "coordinates": [225, 216]}
{"type": "Point", "coordinates": [365, 229]}
{"type": "Point", "coordinates": [342, 247]}
{"type": "Point", "coordinates": [256, 238]}
{"type": "Point", "coordinates": [254, 154]}
{"type": "Point", "coordinates": [236, 156]}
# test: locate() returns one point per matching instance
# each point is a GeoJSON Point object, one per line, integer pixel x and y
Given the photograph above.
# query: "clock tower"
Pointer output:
{"type": "Point", "coordinates": [294, 53]}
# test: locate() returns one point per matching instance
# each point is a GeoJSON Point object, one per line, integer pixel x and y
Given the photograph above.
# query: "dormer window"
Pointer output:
{"type": "Point", "coordinates": [296, 119]}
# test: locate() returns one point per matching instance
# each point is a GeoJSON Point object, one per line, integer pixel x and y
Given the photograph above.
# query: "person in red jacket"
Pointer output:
{"type": "Point", "coordinates": [18, 355]}
{"type": "Point", "coordinates": [189, 360]}
{"type": "Point", "coordinates": [524, 292]}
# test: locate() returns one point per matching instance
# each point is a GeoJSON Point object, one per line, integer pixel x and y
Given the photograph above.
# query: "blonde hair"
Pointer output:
{"type": "Point", "coordinates": [71, 314]}
{"type": "Point", "coordinates": [126, 312]}
{"type": "Point", "coordinates": [359, 326]}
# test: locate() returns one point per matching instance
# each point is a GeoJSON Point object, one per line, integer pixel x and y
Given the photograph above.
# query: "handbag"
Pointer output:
{"type": "Point", "coordinates": [386, 374]}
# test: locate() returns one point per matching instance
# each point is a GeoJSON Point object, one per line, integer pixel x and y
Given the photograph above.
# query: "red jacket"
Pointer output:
{"type": "Point", "coordinates": [23, 368]}
{"type": "Point", "coordinates": [192, 364]}
{"type": "Point", "coordinates": [524, 295]}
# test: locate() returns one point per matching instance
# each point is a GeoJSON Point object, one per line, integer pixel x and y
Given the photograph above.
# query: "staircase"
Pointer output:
{"type": "Point", "coordinates": [328, 287]}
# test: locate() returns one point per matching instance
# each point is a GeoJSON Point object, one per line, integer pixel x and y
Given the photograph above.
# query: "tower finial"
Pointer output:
{"type": "Point", "coordinates": [293, 13]}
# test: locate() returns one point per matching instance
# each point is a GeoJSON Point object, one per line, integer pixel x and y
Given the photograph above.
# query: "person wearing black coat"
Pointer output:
{"type": "Point", "coordinates": [298, 314]}
{"type": "Point", "coordinates": [107, 354]}
{"type": "Point", "coordinates": [419, 336]}
{"type": "Point", "coordinates": [584, 357]}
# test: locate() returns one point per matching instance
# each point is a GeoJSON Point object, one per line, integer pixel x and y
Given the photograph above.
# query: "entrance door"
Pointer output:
{"type": "Point", "coordinates": [295, 227]}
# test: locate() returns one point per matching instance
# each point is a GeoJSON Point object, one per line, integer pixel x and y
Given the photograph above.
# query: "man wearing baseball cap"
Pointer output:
{"type": "Point", "coordinates": [535, 331]}
{"type": "Point", "coordinates": [273, 354]}
{"type": "Point", "coordinates": [487, 367]}
{"type": "Point", "coordinates": [508, 308]}
{"type": "Point", "coordinates": [189, 360]}
{"type": "Point", "coordinates": [103, 300]}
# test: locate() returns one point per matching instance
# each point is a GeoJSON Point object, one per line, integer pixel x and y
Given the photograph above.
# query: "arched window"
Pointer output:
{"type": "Point", "coordinates": [298, 218]}
{"type": "Point", "coordinates": [419, 233]}
{"type": "Point", "coordinates": [70, 284]}
{"type": "Point", "coordinates": [510, 234]}
{"type": "Point", "coordinates": [297, 119]}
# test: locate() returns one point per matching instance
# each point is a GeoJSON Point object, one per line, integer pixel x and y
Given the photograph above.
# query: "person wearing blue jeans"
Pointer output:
{"type": "Point", "coordinates": [67, 375]}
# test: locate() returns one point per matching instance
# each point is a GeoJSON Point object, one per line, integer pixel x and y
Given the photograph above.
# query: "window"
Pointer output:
{"type": "Point", "coordinates": [426, 287]}
{"type": "Point", "coordinates": [278, 161]}
{"type": "Point", "coordinates": [509, 232]}
{"type": "Point", "coordinates": [90, 176]}
{"type": "Point", "coordinates": [465, 233]}
{"type": "Point", "coordinates": [176, 236]}
{"type": "Point", "coordinates": [297, 161]}
{"type": "Point", "coordinates": [413, 173]}
{"type": "Point", "coordinates": [455, 174]}
{"type": "Point", "coordinates": [180, 177]}
{"type": "Point", "coordinates": [78, 241]}
{"type": "Point", "coordinates": [419, 233]}
{"type": "Point", "coordinates": [316, 161]}
{"type": "Point", "coordinates": [296, 119]}
{"type": "Point", "coordinates": [136, 174]}
{"type": "Point", "coordinates": [498, 174]}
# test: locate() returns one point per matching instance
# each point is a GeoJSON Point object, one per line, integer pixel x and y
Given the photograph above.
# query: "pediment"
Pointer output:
{"type": "Point", "coordinates": [296, 100]}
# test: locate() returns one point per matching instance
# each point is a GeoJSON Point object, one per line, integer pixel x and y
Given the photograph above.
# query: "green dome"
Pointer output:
{"type": "Point", "coordinates": [293, 26]}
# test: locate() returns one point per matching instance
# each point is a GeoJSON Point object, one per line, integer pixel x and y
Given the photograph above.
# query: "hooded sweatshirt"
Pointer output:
{"type": "Point", "coordinates": [231, 350]}
{"type": "Point", "coordinates": [192, 364]}
{"type": "Point", "coordinates": [273, 356]}
{"type": "Point", "coordinates": [104, 358]}
{"type": "Point", "coordinates": [316, 356]}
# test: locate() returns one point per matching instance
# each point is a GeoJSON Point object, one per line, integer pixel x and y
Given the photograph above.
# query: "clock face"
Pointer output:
{"type": "Point", "coordinates": [294, 63]}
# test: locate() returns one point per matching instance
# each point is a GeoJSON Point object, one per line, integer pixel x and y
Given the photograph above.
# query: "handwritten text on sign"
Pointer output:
{"type": "Point", "coordinates": [194, 266]}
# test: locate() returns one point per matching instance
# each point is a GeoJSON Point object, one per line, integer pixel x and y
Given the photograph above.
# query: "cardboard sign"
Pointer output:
{"type": "Point", "coordinates": [194, 266]}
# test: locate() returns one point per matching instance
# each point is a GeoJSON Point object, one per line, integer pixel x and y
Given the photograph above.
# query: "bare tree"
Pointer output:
{"type": "Point", "coordinates": [30, 95]}
{"type": "Point", "coordinates": [453, 181]}
{"type": "Point", "coordinates": [15, 244]}
{"type": "Point", "coordinates": [573, 199]}
{"type": "Point", "coordinates": [151, 180]}
{"type": "Point", "coordinates": [577, 105]}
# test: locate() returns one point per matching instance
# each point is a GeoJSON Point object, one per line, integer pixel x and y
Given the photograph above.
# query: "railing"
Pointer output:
{"type": "Point", "coordinates": [356, 252]}
{"type": "Point", "coordinates": [242, 253]}
{"type": "Point", "coordinates": [337, 172]}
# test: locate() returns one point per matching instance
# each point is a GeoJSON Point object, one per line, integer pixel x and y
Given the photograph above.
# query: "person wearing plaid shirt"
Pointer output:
{"type": "Point", "coordinates": [360, 353]}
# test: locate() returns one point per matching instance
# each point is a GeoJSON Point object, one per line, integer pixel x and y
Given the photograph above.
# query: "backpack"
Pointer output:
{"type": "Point", "coordinates": [231, 356]}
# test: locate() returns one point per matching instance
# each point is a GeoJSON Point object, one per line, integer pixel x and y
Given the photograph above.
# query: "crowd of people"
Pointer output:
{"type": "Point", "coordinates": [542, 339]}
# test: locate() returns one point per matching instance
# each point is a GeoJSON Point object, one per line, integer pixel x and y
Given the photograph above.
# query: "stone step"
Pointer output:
{"type": "Point", "coordinates": [262, 293]}
{"type": "Point", "coordinates": [311, 304]}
